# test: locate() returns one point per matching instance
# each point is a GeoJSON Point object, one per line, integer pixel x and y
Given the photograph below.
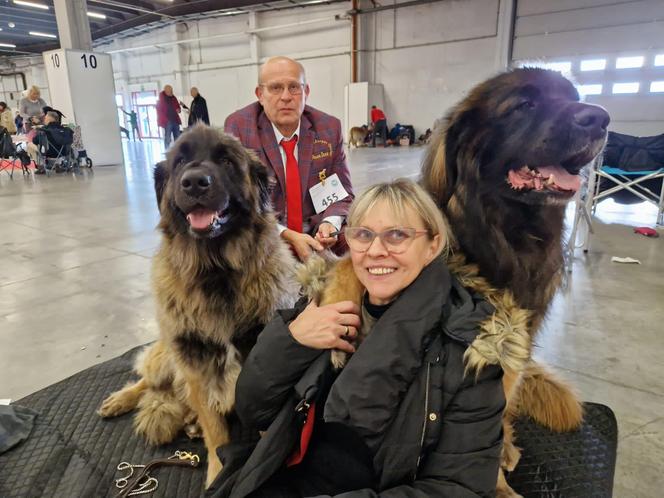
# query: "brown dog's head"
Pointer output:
{"type": "Point", "coordinates": [521, 136]}
{"type": "Point", "coordinates": [210, 185]}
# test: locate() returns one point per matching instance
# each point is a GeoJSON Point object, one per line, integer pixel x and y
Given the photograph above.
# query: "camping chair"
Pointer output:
{"type": "Point", "coordinates": [10, 157]}
{"type": "Point", "coordinates": [633, 165]}
{"type": "Point", "coordinates": [55, 150]}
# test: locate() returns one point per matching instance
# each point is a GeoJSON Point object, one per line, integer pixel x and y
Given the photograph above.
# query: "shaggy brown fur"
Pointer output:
{"type": "Point", "coordinates": [215, 286]}
{"type": "Point", "coordinates": [357, 135]}
{"type": "Point", "coordinates": [525, 117]}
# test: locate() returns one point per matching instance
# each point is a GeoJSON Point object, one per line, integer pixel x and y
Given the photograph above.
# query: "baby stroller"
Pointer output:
{"type": "Point", "coordinates": [9, 154]}
{"type": "Point", "coordinates": [55, 150]}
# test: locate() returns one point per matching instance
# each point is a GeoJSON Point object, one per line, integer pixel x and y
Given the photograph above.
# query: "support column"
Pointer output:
{"type": "Point", "coordinates": [73, 24]}
{"type": "Point", "coordinates": [505, 35]}
{"type": "Point", "coordinates": [254, 42]}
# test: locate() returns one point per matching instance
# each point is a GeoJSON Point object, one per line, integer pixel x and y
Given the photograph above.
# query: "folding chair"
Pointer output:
{"type": "Point", "coordinates": [54, 156]}
{"type": "Point", "coordinates": [9, 156]}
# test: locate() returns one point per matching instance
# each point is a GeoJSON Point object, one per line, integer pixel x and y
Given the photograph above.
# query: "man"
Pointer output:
{"type": "Point", "coordinates": [304, 148]}
{"type": "Point", "coordinates": [133, 122]}
{"type": "Point", "coordinates": [379, 124]}
{"type": "Point", "coordinates": [168, 115]}
{"type": "Point", "coordinates": [50, 138]}
{"type": "Point", "coordinates": [199, 110]}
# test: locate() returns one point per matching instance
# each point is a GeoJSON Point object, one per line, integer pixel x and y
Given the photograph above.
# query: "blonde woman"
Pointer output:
{"type": "Point", "coordinates": [31, 108]}
{"type": "Point", "coordinates": [402, 418]}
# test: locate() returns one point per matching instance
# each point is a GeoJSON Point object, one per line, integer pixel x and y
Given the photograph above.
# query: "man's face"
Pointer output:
{"type": "Point", "coordinates": [48, 120]}
{"type": "Point", "coordinates": [168, 90]}
{"type": "Point", "coordinates": [193, 92]}
{"type": "Point", "coordinates": [278, 80]}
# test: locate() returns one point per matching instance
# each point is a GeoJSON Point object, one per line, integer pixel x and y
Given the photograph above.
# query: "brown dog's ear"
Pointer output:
{"type": "Point", "coordinates": [259, 176]}
{"type": "Point", "coordinates": [435, 178]}
{"type": "Point", "coordinates": [160, 177]}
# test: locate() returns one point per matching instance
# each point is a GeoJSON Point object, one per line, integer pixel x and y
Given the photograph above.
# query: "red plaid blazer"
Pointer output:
{"type": "Point", "coordinates": [320, 147]}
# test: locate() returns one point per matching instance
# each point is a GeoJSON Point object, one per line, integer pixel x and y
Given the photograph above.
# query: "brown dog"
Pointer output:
{"type": "Point", "coordinates": [502, 170]}
{"type": "Point", "coordinates": [220, 274]}
{"type": "Point", "coordinates": [357, 135]}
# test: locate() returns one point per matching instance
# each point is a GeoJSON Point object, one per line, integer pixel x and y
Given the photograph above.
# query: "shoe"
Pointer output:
{"type": "Point", "coordinates": [40, 171]}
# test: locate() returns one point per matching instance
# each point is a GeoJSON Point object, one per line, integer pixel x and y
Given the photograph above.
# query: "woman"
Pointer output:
{"type": "Point", "coordinates": [31, 108]}
{"type": "Point", "coordinates": [6, 118]}
{"type": "Point", "coordinates": [198, 110]}
{"type": "Point", "coordinates": [402, 418]}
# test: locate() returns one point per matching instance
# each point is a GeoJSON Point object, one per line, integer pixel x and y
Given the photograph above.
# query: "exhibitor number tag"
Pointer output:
{"type": "Point", "coordinates": [327, 192]}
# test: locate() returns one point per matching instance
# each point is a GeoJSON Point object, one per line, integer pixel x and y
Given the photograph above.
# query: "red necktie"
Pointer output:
{"type": "Point", "coordinates": [293, 190]}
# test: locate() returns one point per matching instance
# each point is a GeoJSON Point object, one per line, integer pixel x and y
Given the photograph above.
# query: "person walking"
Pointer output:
{"type": "Point", "coordinates": [168, 115]}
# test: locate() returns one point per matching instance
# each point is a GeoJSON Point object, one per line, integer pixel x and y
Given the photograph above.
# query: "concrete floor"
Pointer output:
{"type": "Point", "coordinates": [74, 291]}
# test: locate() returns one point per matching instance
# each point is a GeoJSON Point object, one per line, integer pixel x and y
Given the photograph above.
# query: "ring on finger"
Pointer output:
{"type": "Point", "coordinates": [347, 331]}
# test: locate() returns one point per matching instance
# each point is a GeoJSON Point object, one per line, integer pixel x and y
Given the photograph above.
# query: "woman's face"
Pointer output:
{"type": "Point", "coordinates": [385, 274]}
{"type": "Point", "coordinates": [33, 95]}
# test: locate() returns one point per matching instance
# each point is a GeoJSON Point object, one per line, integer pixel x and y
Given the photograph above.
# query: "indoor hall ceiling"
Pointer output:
{"type": "Point", "coordinates": [17, 19]}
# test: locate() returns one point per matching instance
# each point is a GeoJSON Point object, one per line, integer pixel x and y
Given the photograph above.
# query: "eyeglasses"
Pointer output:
{"type": "Point", "coordinates": [278, 88]}
{"type": "Point", "coordinates": [395, 240]}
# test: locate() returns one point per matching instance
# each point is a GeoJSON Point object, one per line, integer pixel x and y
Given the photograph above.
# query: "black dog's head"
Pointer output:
{"type": "Point", "coordinates": [209, 185]}
{"type": "Point", "coordinates": [522, 136]}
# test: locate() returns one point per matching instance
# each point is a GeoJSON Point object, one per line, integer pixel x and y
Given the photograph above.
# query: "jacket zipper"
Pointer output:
{"type": "Point", "coordinates": [426, 412]}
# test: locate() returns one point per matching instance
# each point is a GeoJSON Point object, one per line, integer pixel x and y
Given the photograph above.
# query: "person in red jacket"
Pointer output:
{"type": "Point", "coordinates": [379, 122]}
{"type": "Point", "coordinates": [168, 115]}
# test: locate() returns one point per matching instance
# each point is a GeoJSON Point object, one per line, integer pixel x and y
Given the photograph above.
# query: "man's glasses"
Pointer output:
{"type": "Point", "coordinates": [278, 88]}
{"type": "Point", "coordinates": [395, 240]}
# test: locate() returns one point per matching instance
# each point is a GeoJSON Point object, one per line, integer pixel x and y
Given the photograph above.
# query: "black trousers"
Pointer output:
{"type": "Point", "coordinates": [380, 127]}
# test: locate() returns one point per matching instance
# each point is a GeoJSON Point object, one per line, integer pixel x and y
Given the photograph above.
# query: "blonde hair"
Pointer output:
{"type": "Point", "coordinates": [34, 89]}
{"type": "Point", "coordinates": [399, 194]}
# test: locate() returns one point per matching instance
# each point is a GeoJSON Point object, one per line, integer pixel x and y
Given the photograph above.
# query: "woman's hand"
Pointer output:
{"type": "Point", "coordinates": [327, 327]}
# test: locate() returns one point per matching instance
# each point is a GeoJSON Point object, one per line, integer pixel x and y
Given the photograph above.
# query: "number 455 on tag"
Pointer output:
{"type": "Point", "coordinates": [326, 193]}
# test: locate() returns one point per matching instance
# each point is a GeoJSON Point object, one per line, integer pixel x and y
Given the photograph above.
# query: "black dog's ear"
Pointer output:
{"type": "Point", "coordinates": [260, 177]}
{"type": "Point", "coordinates": [160, 177]}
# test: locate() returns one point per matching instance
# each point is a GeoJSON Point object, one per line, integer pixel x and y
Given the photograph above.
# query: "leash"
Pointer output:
{"type": "Point", "coordinates": [143, 482]}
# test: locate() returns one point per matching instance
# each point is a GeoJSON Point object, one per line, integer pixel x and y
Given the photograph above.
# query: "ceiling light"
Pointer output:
{"type": "Point", "coordinates": [96, 15]}
{"type": "Point", "coordinates": [231, 12]}
{"type": "Point", "coordinates": [31, 4]}
{"type": "Point", "coordinates": [7, 45]}
{"type": "Point", "coordinates": [11, 24]}
{"type": "Point", "coordinates": [39, 33]}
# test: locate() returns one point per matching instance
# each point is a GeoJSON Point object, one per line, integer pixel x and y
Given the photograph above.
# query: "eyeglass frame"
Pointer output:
{"type": "Point", "coordinates": [415, 233]}
{"type": "Point", "coordinates": [300, 84]}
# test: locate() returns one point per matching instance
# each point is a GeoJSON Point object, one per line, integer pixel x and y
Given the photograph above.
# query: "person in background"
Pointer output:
{"type": "Point", "coordinates": [168, 115]}
{"type": "Point", "coordinates": [198, 110]}
{"type": "Point", "coordinates": [6, 118]}
{"type": "Point", "coordinates": [302, 146]}
{"type": "Point", "coordinates": [31, 108]}
{"type": "Point", "coordinates": [57, 135]}
{"type": "Point", "coordinates": [133, 122]}
{"type": "Point", "coordinates": [18, 121]}
{"type": "Point", "coordinates": [379, 125]}
{"type": "Point", "coordinates": [403, 417]}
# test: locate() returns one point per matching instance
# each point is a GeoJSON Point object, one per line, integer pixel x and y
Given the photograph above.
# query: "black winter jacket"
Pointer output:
{"type": "Point", "coordinates": [433, 431]}
{"type": "Point", "coordinates": [198, 111]}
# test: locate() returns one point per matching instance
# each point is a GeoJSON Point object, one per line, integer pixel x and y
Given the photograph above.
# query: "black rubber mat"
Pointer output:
{"type": "Point", "coordinates": [72, 452]}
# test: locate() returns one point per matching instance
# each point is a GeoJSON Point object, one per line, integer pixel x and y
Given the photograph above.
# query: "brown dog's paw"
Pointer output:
{"type": "Point", "coordinates": [160, 417]}
{"type": "Point", "coordinates": [121, 401]}
{"type": "Point", "coordinates": [213, 470]}
{"type": "Point", "coordinates": [338, 359]}
{"type": "Point", "coordinates": [509, 456]}
{"type": "Point", "coordinates": [504, 490]}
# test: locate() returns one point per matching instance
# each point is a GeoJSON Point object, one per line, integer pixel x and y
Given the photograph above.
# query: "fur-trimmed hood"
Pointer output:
{"type": "Point", "coordinates": [502, 338]}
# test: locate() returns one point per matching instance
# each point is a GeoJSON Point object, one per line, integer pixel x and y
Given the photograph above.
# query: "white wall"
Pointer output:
{"type": "Point", "coordinates": [575, 30]}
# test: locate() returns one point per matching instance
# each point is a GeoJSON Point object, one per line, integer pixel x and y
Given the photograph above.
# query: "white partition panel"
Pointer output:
{"type": "Point", "coordinates": [81, 86]}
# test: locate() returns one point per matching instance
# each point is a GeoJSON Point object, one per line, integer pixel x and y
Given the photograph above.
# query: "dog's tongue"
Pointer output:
{"type": "Point", "coordinates": [561, 177]}
{"type": "Point", "coordinates": [201, 218]}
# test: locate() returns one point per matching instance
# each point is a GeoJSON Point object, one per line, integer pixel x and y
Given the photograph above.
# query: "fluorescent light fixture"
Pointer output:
{"type": "Point", "coordinates": [657, 86]}
{"type": "Point", "coordinates": [632, 87]}
{"type": "Point", "coordinates": [96, 15]}
{"type": "Point", "coordinates": [312, 2]}
{"type": "Point", "coordinates": [659, 60]}
{"type": "Point", "coordinates": [593, 89]}
{"type": "Point", "coordinates": [9, 45]}
{"type": "Point", "coordinates": [31, 4]}
{"type": "Point", "coordinates": [629, 62]}
{"type": "Point", "coordinates": [232, 12]}
{"type": "Point", "coordinates": [593, 65]}
{"type": "Point", "coordinates": [39, 33]}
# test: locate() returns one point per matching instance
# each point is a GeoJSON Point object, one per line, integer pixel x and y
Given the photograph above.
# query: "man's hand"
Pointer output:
{"type": "Point", "coordinates": [323, 234]}
{"type": "Point", "coordinates": [302, 243]}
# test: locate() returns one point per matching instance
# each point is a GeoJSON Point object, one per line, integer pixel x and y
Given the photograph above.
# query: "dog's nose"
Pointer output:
{"type": "Point", "coordinates": [591, 118]}
{"type": "Point", "coordinates": [195, 183]}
